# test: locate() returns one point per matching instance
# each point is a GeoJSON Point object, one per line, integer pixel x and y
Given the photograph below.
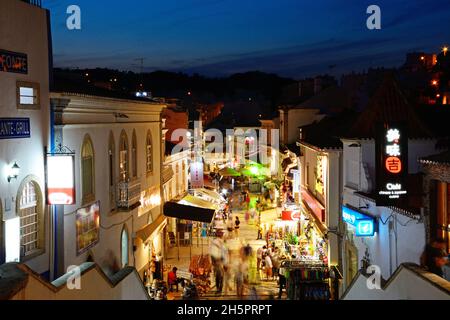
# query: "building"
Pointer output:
{"type": "Point", "coordinates": [116, 218]}
{"type": "Point", "coordinates": [398, 232]}
{"type": "Point", "coordinates": [25, 60]}
{"type": "Point", "coordinates": [437, 196]}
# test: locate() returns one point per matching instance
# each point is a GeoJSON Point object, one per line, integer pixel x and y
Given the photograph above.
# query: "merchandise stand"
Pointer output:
{"type": "Point", "coordinates": [307, 280]}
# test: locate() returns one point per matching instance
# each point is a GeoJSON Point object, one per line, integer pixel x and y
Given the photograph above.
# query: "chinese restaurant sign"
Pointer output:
{"type": "Point", "coordinates": [13, 62]}
{"type": "Point", "coordinates": [87, 221]}
{"type": "Point", "coordinates": [60, 179]}
{"type": "Point", "coordinates": [11, 128]}
{"type": "Point", "coordinates": [391, 164]}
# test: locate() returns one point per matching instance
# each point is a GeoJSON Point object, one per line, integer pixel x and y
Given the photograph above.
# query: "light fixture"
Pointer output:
{"type": "Point", "coordinates": [434, 82]}
{"type": "Point", "coordinates": [444, 50]}
{"type": "Point", "coordinates": [13, 172]}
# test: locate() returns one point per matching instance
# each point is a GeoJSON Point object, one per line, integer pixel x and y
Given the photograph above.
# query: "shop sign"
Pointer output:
{"type": "Point", "coordinates": [60, 179]}
{"type": "Point", "coordinates": [364, 225]}
{"type": "Point", "coordinates": [11, 128]}
{"type": "Point", "coordinates": [149, 199]}
{"type": "Point", "coordinates": [13, 62]}
{"type": "Point", "coordinates": [197, 175]}
{"type": "Point", "coordinates": [290, 215]}
{"type": "Point", "coordinates": [391, 164]}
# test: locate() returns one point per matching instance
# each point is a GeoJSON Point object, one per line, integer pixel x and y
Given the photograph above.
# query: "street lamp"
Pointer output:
{"type": "Point", "coordinates": [444, 50]}
{"type": "Point", "coordinates": [14, 171]}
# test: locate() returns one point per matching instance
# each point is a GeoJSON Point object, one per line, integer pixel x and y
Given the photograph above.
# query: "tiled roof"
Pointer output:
{"type": "Point", "coordinates": [441, 158]}
{"type": "Point", "coordinates": [388, 104]}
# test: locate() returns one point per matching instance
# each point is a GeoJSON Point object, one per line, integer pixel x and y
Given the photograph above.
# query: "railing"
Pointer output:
{"type": "Point", "coordinates": [128, 194]}
{"type": "Point", "coordinates": [37, 3]}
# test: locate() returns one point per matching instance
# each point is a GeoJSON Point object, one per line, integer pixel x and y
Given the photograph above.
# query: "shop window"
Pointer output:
{"type": "Point", "coordinates": [123, 157]}
{"type": "Point", "coordinates": [124, 247]}
{"type": "Point", "coordinates": [28, 95]}
{"type": "Point", "coordinates": [87, 170]}
{"type": "Point", "coordinates": [31, 220]}
{"type": "Point", "coordinates": [111, 171]}
{"type": "Point", "coordinates": [134, 154]}
{"type": "Point", "coordinates": [149, 153]}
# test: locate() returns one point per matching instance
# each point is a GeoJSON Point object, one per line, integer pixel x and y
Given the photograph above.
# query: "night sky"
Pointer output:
{"type": "Point", "coordinates": [294, 38]}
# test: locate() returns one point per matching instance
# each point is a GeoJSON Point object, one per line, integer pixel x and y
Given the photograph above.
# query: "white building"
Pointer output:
{"type": "Point", "coordinates": [117, 216]}
{"type": "Point", "coordinates": [400, 232]}
{"type": "Point", "coordinates": [24, 113]}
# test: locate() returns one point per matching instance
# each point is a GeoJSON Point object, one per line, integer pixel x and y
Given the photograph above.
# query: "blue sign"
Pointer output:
{"type": "Point", "coordinates": [11, 128]}
{"type": "Point", "coordinates": [364, 225]}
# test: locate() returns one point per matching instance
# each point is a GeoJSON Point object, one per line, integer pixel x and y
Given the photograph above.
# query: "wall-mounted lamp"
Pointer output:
{"type": "Point", "coordinates": [13, 172]}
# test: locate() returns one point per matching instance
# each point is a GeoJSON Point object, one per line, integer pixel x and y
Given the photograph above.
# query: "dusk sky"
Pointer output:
{"type": "Point", "coordinates": [294, 38]}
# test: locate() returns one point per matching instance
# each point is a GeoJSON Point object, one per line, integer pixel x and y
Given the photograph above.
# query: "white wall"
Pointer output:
{"type": "Point", "coordinates": [99, 126]}
{"type": "Point", "coordinates": [23, 28]}
{"type": "Point", "coordinates": [405, 286]}
{"type": "Point", "coordinates": [297, 118]}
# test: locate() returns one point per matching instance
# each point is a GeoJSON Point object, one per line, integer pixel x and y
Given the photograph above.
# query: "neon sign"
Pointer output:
{"type": "Point", "coordinates": [364, 225]}
{"type": "Point", "coordinates": [391, 163]}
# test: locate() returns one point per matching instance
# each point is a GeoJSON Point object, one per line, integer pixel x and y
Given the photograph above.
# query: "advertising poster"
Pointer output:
{"type": "Point", "coordinates": [88, 227]}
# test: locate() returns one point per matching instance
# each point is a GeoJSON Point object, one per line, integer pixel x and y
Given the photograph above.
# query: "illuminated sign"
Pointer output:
{"type": "Point", "coordinates": [290, 215]}
{"type": "Point", "coordinates": [197, 175]}
{"type": "Point", "coordinates": [11, 128]}
{"type": "Point", "coordinates": [150, 199]}
{"type": "Point", "coordinates": [13, 62]}
{"type": "Point", "coordinates": [391, 164]}
{"type": "Point", "coordinates": [87, 222]}
{"type": "Point", "coordinates": [60, 179]}
{"type": "Point", "coordinates": [364, 225]}
{"type": "Point", "coordinates": [12, 239]}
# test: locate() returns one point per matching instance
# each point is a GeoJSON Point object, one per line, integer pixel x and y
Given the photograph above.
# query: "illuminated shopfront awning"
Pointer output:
{"type": "Point", "coordinates": [190, 208]}
{"type": "Point", "coordinates": [147, 232]}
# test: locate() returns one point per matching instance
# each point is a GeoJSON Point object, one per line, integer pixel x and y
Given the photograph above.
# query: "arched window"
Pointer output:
{"type": "Point", "coordinates": [123, 156]}
{"type": "Point", "coordinates": [149, 155]}
{"type": "Point", "coordinates": [30, 212]}
{"type": "Point", "coordinates": [111, 171]}
{"type": "Point", "coordinates": [124, 247]}
{"type": "Point", "coordinates": [87, 170]}
{"type": "Point", "coordinates": [134, 154]}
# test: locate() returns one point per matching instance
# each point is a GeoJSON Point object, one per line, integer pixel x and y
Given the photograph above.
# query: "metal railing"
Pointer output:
{"type": "Point", "coordinates": [128, 194]}
{"type": "Point", "coordinates": [37, 3]}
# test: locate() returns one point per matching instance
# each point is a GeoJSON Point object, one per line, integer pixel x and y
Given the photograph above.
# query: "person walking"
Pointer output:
{"type": "Point", "coordinates": [268, 264]}
{"type": "Point", "coordinates": [259, 256]}
{"type": "Point", "coordinates": [237, 222]}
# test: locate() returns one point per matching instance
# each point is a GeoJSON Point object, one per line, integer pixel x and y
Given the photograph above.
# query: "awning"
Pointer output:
{"type": "Point", "coordinates": [145, 233]}
{"type": "Point", "coordinates": [189, 212]}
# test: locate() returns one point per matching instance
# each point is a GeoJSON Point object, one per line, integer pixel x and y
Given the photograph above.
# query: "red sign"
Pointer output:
{"type": "Point", "coordinates": [393, 164]}
{"type": "Point", "coordinates": [314, 205]}
{"type": "Point", "coordinates": [290, 215]}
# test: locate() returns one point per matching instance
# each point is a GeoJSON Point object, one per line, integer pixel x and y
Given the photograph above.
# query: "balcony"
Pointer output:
{"type": "Point", "coordinates": [128, 195]}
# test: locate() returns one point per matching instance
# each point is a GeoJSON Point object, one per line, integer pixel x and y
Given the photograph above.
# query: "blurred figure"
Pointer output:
{"type": "Point", "coordinates": [219, 274]}
{"type": "Point", "coordinates": [172, 279]}
{"type": "Point", "coordinates": [189, 290]}
{"type": "Point", "coordinates": [434, 257]}
{"type": "Point", "coordinates": [281, 281]}
{"type": "Point", "coordinates": [275, 262]}
{"type": "Point", "coordinates": [237, 222]}
{"type": "Point", "coordinates": [253, 294]}
{"type": "Point", "coordinates": [259, 256]}
{"type": "Point", "coordinates": [268, 266]}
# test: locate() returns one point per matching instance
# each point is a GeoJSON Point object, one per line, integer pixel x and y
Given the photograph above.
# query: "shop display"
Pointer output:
{"type": "Point", "coordinates": [201, 267]}
{"type": "Point", "coordinates": [307, 280]}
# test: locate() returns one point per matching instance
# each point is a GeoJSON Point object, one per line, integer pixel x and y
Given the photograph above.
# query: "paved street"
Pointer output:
{"type": "Point", "coordinates": [180, 257]}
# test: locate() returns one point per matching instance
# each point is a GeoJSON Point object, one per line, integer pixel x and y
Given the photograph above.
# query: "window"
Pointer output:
{"type": "Point", "coordinates": [124, 247]}
{"type": "Point", "coordinates": [123, 157]}
{"type": "Point", "coordinates": [134, 154]}
{"type": "Point", "coordinates": [87, 170]}
{"type": "Point", "coordinates": [30, 214]}
{"type": "Point", "coordinates": [149, 154]}
{"type": "Point", "coordinates": [28, 95]}
{"type": "Point", "coordinates": [111, 171]}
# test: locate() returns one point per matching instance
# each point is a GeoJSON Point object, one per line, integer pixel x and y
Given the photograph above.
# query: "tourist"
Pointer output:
{"type": "Point", "coordinates": [236, 226]}
{"type": "Point", "coordinates": [172, 279]}
{"type": "Point", "coordinates": [268, 265]}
